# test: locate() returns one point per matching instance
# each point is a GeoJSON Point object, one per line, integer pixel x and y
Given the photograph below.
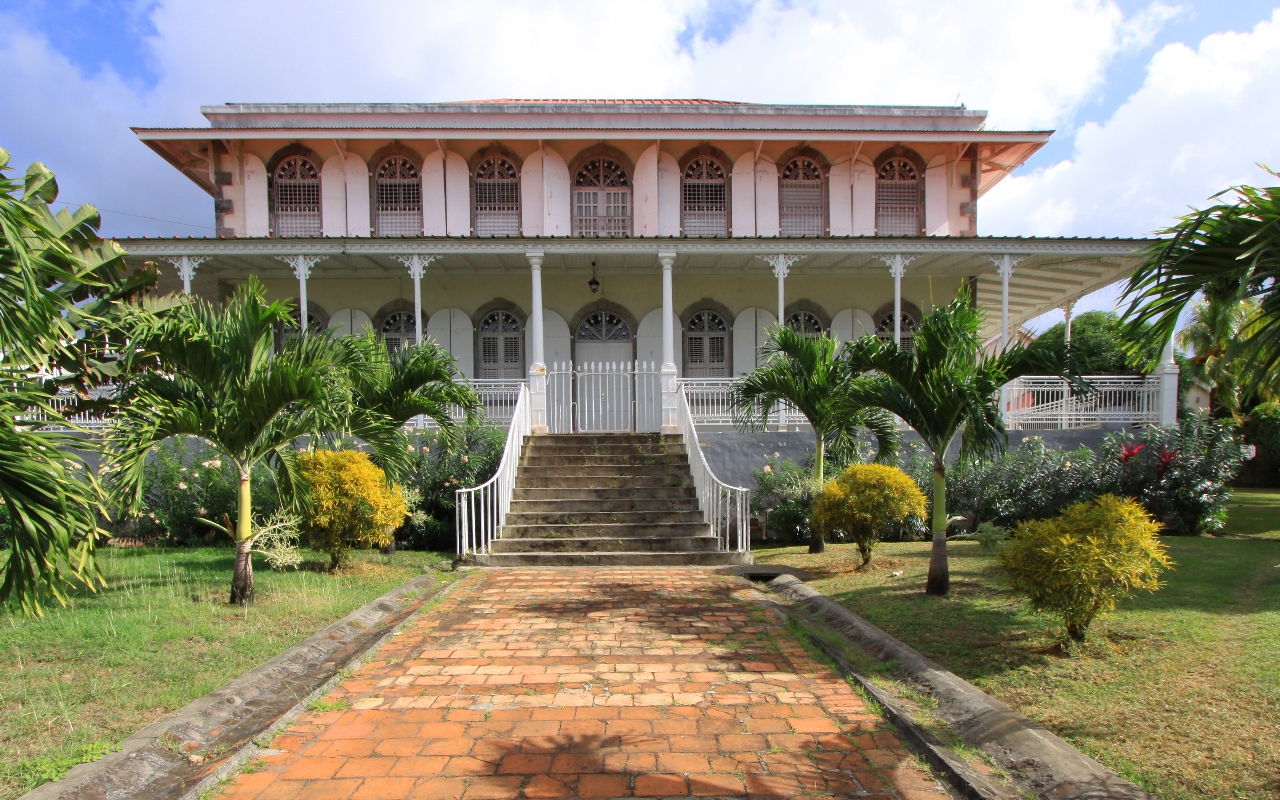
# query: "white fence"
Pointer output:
{"type": "Point", "coordinates": [1038, 402]}
{"type": "Point", "coordinates": [481, 511]}
{"type": "Point", "coordinates": [61, 404]}
{"type": "Point", "coordinates": [726, 508]}
{"type": "Point", "coordinates": [709, 404]}
{"type": "Point", "coordinates": [604, 397]}
{"type": "Point", "coordinates": [498, 399]}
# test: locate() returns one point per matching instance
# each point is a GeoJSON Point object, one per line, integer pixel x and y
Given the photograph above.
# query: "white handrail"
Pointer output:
{"type": "Point", "coordinates": [480, 511]}
{"type": "Point", "coordinates": [726, 508]}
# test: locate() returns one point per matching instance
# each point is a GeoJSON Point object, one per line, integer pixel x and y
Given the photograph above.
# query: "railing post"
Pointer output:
{"type": "Point", "coordinates": [1167, 374]}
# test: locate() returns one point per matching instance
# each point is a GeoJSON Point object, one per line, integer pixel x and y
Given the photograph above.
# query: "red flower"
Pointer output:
{"type": "Point", "coordinates": [1128, 451]}
{"type": "Point", "coordinates": [1165, 460]}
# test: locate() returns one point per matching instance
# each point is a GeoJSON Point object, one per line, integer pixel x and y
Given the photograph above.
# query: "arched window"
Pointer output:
{"type": "Point", "coordinates": [706, 346]}
{"type": "Point", "coordinates": [604, 326]}
{"type": "Point", "coordinates": [705, 199]}
{"type": "Point", "coordinates": [398, 331]}
{"type": "Point", "coordinates": [899, 199]}
{"type": "Point", "coordinates": [800, 207]}
{"type": "Point", "coordinates": [500, 346]}
{"type": "Point", "coordinates": [884, 329]}
{"type": "Point", "coordinates": [295, 198]}
{"type": "Point", "coordinates": [397, 198]}
{"type": "Point", "coordinates": [806, 323]}
{"type": "Point", "coordinates": [601, 199]}
{"type": "Point", "coordinates": [497, 198]}
{"type": "Point", "coordinates": [314, 324]}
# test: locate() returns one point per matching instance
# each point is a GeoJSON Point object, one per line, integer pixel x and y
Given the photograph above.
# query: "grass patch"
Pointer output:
{"type": "Point", "coordinates": [159, 635]}
{"type": "Point", "coordinates": [1254, 512]}
{"type": "Point", "coordinates": [1178, 690]}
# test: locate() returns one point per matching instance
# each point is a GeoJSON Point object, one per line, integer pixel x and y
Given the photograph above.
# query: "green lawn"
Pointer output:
{"type": "Point", "coordinates": [1179, 690]}
{"type": "Point", "coordinates": [161, 634]}
{"type": "Point", "coordinates": [1255, 512]}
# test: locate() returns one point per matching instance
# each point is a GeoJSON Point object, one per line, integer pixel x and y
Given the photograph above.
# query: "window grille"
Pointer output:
{"type": "Point", "coordinates": [313, 324]}
{"type": "Point", "coordinates": [705, 339]}
{"type": "Point", "coordinates": [884, 329]}
{"type": "Point", "coordinates": [497, 198]}
{"type": "Point", "coordinates": [398, 331]}
{"type": "Point", "coordinates": [705, 205]}
{"type": "Point", "coordinates": [899, 199]}
{"type": "Point", "coordinates": [805, 323]}
{"type": "Point", "coordinates": [296, 190]}
{"type": "Point", "coordinates": [601, 199]}
{"type": "Point", "coordinates": [604, 326]}
{"type": "Point", "coordinates": [800, 206]}
{"type": "Point", "coordinates": [501, 355]}
{"type": "Point", "coordinates": [397, 198]}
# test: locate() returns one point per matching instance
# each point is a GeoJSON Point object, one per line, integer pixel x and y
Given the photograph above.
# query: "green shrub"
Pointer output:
{"type": "Point", "coordinates": [1262, 430]}
{"type": "Point", "coordinates": [352, 504]}
{"type": "Point", "coordinates": [1030, 482]}
{"type": "Point", "coordinates": [784, 497]}
{"type": "Point", "coordinates": [863, 501]}
{"type": "Point", "coordinates": [435, 476]}
{"type": "Point", "coordinates": [1080, 563]}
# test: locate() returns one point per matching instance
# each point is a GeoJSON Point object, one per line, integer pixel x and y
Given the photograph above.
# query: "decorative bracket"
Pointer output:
{"type": "Point", "coordinates": [781, 263]}
{"type": "Point", "coordinates": [897, 264]}
{"type": "Point", "coordinates": [186, 266]}
{"type": "Point", "coordinates": [416, 263]}
{"type": "Point", "coordinates": [1005, 264]}
{"type": "Point", "coordinates": [301, 264]}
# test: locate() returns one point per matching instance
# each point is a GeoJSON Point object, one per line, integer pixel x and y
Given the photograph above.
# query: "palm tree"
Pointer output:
{"type": "Point", "coordinates": [1214, 326]}
{"type": "Point", "coordinates": [1227, 253]}
{"type": "Point", "coordinates": [944, 383]}
{"type": "Point", "coordinates": [804, 371]}
{"type": "Point", "coordinates": [221, 382]}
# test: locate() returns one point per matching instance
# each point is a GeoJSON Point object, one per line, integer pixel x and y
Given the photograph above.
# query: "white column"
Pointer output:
{"type": "Point", "coordinates": [417, 265]}
{"type": "Point", "coordinates": [301, 270]}
{"type": "Point", "coordinates": [1167, 375]}
{"type": "Point", "coordinates": [537, 353]}
{"type": "Point", "coordinates": [186, 266]}
{"type": "Point", "coordinates": [781, 264]}
{"type": "Point", "coordinates": [897, 264]}
{"type": "Point", "coordinates": [1004, 268]}
{"type": "Point", "coordinates": [1066, 312]}
{"type": "Point", "coordinates": [667, 374]}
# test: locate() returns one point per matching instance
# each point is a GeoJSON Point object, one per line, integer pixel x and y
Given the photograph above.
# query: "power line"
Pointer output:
{"type": "Point", "coordinates": [140, 216]}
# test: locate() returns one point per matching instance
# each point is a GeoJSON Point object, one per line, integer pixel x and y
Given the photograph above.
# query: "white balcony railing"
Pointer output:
{"type": "Point", "coordinates": [1041, 402]}
{"type": "Point", "coordinates": [480, 511]}
{"type": "Point", "coordinates": [709, 404]}
{"type": "Point", "coordinates": [498, 397]}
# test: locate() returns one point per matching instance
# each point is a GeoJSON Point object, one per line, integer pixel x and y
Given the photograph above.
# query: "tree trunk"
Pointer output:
{"type": "Point", "coordinates": [816, 543]}
{"type": "Point", "coordinates": [242, 575]}
{"type": "Point", "coordinates": [939, 581]}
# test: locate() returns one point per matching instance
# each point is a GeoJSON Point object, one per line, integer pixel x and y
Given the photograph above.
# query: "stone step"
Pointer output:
{"type": "Point", "coordinates": [526, 481]}
{"type": "Point", "coordinates": [591, 439]}
{"type": "Point", "coordinates": [635, 544]}
{"type": "Point", "coordinates": [605, 531]}
{"type": "Point", "coordinates": [673, 559]}
{"type": "Point", "coordinates": [584, 516]}
{"type": "Point", "coordinates": [611, 470]}
{"type": "Point", "coordinates": [609, 460]}
{"type": "Point", "coordinates": [601, 494]}
{"type": "Point", "coordinates": [627, 502]}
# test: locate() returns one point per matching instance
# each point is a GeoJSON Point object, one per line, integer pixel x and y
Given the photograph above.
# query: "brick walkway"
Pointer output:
{"type": "Point", "coordinates": [592, 683]}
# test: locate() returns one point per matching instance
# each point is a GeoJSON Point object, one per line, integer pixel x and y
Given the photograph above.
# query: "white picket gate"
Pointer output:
{"type": "Point", "coordinates": [604, 397]}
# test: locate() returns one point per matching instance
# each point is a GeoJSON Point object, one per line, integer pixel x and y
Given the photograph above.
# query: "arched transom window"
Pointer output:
{"type": "Point", "coordinates": [706, 346]}
{"type": "Point", "coordinates": [497, 198]}
{"type": "Point", "coordinates": [604, 326]}
{"type": "Point", "coordinates": [398, 331]}
{"type": "Point", "coordinates": [314, 324]}
{"type": "Point", "coordinates": [295, 188]}
{"type": "Point", "coordinates": [800, 206]}
{"type": "Point", "coordinates": [705, 204]}
{"type": "Point", "coordinates": [501, 353]}
{"type": "Point", "coordinates": [805, 322]}
{"type": "Point", "coordinates": [601, 199]}
{"type": "Point", "coordinates": [899, 199]}
{"type": "Point", "coordinates": [397, 206]}
{"type": "Point", "coordinates": [884, 329]}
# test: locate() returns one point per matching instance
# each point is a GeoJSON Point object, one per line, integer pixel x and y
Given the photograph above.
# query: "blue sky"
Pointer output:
{"type": "Point", "coordinates": [1155, 104]}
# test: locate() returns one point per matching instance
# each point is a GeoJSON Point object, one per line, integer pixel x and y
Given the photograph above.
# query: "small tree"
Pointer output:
{"type": "Point", "coordinates": [863, 501]}
{"type": "Point", "coordinates": [352, 504]}
{"type": "Point", "coordinates": [1080, 563]}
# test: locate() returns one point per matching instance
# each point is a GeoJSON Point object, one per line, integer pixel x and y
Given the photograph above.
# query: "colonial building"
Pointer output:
{"type": "Point", "coordinates": [607, 248]}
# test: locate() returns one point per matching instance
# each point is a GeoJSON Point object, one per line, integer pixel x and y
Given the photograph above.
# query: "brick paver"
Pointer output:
{"type": "Point", "coordinates": [560, 683]}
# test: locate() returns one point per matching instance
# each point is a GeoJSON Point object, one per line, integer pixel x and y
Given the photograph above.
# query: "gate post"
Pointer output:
{"type": "Point", "coordinates": [667, 374]}
{"type": "Point", "coordinates": [1168, 376]}
{"type": "Point", "coordinates": [537, 357]}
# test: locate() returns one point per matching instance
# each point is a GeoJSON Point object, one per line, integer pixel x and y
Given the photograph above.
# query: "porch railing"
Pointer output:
{"type": "Point", "coordinates": [726, 508]}
{"type": "Point", "coordinates": [482, 510]}
{"type": "Point", "coordinates": [1041, 402]}
{"type": "Point", "coordinates": [61, 403]}
{"type": "Point", "coordinates": [709, 404]}
{"type": "Point", "coordinates": [498, 397]}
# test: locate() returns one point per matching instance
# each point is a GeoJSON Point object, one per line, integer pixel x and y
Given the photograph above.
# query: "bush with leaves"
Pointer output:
{"type": "Point", "coordinates": [1031, 482]}
{"type": "Point", "coordinates": [352, 503]}
{"type": "Point", "coordinates": [1080, 563]}
{"type": "Point", "coordinates": [1180, 473]}
{"type": "Point", "coordinates": [1262, 430]}
{"type": "Point", "coordinates": [864, 501]}
{"type": "Point", "coordinates": [784, 497]}
{"type": "Point", "coordinates": [436, 473]}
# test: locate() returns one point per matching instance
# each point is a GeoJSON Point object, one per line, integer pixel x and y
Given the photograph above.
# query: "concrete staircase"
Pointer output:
{"type": "Point", "coordinates": [622, 499]}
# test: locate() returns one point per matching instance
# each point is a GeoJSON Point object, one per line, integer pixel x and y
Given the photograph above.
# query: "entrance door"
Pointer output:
{"type": "Point", "coordinates": [604, 381]}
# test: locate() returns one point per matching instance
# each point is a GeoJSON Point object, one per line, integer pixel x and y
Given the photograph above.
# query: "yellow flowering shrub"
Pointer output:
{"type": "Point", "coordinates": [863, 501]}
{"type": "Point", "coordinates": [1081, 562]}
{"type": "Point", "coordinates": [352, 504]}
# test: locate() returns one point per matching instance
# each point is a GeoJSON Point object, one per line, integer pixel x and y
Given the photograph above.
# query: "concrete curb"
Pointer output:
{"type": "Point", "coordinates": [1035, 758]}
{"type": "Point", "coordinates": [219, 729]}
